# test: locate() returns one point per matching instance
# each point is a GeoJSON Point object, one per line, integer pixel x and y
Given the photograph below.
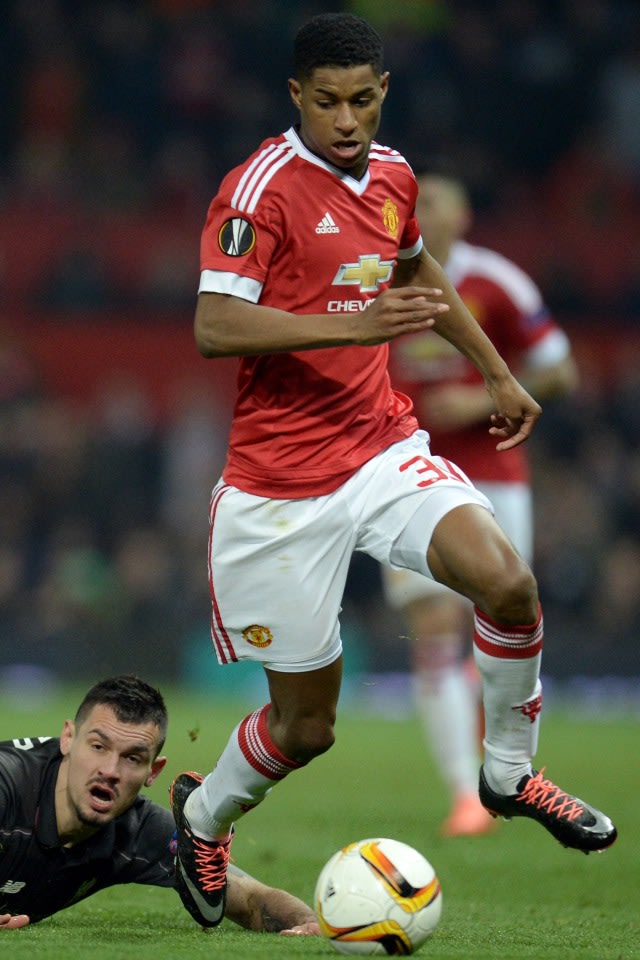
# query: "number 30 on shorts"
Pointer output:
{"type": "Point", "coordinates": [431, 471]}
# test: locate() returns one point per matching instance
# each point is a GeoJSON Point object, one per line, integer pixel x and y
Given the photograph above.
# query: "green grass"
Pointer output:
{"type": "Point", "coordinates": [516, 894]}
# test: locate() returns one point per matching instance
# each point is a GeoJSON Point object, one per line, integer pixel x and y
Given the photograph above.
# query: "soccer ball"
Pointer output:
{"type": "Point", "coordinates": [378, 896]}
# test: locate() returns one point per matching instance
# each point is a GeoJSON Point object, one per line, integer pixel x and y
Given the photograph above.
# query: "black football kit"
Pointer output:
{"type": "Point", "coordinates": [39, 876]}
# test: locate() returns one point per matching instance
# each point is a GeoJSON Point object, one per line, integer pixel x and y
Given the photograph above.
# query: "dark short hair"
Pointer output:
{"type": "Point", "coordinates": [131, 699]}
{"type": "Point", "coordinates": [337, 40]}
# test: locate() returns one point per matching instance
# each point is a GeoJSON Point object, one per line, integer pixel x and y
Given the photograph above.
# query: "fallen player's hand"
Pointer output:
{"type": "Point", "coordinates": [309, 929]}
{"type": "Point", "coordinates": [10, 922]}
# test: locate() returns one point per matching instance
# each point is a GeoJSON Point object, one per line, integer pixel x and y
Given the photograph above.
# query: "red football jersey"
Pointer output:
{"type": "Point", "coordinates": [510, 309]}
{"type": "Point", "coordinates": [289, 230]}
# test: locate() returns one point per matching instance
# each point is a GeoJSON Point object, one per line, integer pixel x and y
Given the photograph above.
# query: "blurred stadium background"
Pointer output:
{"type": "Point", "coordinates": [117, 120]}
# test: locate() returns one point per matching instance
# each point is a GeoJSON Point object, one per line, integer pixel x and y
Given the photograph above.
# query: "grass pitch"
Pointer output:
{"type": "Point", "coordinates": [516, 894]}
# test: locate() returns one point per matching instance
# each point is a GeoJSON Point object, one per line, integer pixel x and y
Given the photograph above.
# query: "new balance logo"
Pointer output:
{"type": "Point", "coordinates": [327, 225]}
{"type": "Point", "coordinates": [13, 886]}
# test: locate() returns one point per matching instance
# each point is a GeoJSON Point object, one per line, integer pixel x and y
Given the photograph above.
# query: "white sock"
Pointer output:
{"type": "Point", "coordinates": [508, 659]}
{"type": "Point", "coordinates": [249, 766]}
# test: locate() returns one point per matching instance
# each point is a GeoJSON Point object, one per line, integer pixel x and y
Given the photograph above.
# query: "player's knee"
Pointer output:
{"type": "Point", "coordinates": [308, 738]}
{"type": "Point", "coordinates": [319, 736]}
{"type": "Point", "coordinates": [513, 596]}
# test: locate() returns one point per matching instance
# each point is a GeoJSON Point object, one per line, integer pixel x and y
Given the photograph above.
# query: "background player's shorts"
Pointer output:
{"type": "Point", "coordinates": [514, 512]}
{"type": "Point", "coordinates": [277, 568]}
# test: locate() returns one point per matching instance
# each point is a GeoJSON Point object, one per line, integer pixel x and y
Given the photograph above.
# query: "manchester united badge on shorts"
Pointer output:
{"type": "Point", "coordinates": [257, 636]}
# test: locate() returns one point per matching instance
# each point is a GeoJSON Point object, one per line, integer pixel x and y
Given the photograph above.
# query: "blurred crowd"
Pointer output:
{"type": "Point", "coordinates": [103, 524]}
{"type": "Point", "coordinates": [121, 110]}
{"type": "Point", "coordinates": [117, 119]}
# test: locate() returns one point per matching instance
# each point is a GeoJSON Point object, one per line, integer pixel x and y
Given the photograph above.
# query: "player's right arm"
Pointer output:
{"type": "Point", "coordinates": [228, 326]}
{"type": "Point", "coordinates": [256, 906]}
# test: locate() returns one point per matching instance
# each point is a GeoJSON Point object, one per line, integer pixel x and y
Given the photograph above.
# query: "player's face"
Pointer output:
{"type": "Point", "coordinates": [107, 762]}
{"type": "Point", "coordinates": [340, 113]}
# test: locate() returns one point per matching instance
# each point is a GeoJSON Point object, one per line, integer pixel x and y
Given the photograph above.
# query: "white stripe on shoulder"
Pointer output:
{"type": "Point", "coordinates": [258, 174]}
{"type": "Point", "coordinates": [386, 154]}
{"type": "Point", "coordinates": [387, 157]}
{"type": "Point", "coordinates": [249, 171]}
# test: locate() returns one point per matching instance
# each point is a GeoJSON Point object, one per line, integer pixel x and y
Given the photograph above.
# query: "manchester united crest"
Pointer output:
{"type": "Point", "coordinates": [257, 636]}
{"type": "Point", "coordinates": [390, 217]}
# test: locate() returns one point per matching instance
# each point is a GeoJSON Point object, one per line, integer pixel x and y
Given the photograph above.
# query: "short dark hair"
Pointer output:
{"type": "Point", "coordinates": [131, 699]}
{"type": "Point", "coordinates": [337, 40]}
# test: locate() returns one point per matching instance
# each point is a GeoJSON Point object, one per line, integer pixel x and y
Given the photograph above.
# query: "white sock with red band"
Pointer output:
{"type": "Point", "coordinates": [508, 659]}
{"type": "Point", "coordinates": [249, 766]}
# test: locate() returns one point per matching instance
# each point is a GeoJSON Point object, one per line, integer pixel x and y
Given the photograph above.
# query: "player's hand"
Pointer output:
{"type": "Point", "coordinates": [517, 414]}
{"type": "Point", "coordinates": [309, 929]}
{"type": "Point", "coordinates": [397, 311]}
{"type": "Point", "coordinates": [10, 922]}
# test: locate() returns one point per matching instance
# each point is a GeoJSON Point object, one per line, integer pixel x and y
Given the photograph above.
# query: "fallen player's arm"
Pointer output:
{"type": "Point", "coordinates": [10, 922]}
{"type": "Point", "coordinates": [256, 906]}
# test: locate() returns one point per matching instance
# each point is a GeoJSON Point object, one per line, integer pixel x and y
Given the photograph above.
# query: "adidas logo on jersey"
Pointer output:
{"type": "Point", "coordinates": [327, 225]}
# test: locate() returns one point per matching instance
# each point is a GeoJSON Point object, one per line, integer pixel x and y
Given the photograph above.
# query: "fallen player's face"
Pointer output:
{"type": "Point", "coordinates": [108, 762]}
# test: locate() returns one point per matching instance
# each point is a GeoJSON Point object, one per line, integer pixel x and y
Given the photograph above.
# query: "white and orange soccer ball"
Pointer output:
{"type": "Point", "coordinates": [378, 896]}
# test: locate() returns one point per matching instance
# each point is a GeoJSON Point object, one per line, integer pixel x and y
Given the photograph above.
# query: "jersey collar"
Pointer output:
{"type": "Point", "coordinates": [358, 186]}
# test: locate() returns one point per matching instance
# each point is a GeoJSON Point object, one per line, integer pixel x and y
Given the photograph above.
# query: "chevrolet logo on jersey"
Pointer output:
{"type": "Point", "coordinates": [368, 273]}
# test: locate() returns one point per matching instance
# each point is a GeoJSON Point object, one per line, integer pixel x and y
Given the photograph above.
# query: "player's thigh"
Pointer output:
{"type": "Point", "coordinates": [470, 553]}
{"type": "Point", "coordinates": [277, 575]}
{"type": "Point", "coordinates": [426, 601]}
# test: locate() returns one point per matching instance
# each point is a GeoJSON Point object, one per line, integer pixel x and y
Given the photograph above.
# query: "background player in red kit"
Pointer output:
{"type": "Point", "coordinates": [325, 458]}
{"type": "Point", "coordinates": [450, 398]}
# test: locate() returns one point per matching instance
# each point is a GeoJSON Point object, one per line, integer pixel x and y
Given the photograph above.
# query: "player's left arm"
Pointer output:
{"type": "Point", "coordinates": [517, 410]}
{"type": "Point", "coordinates": [256, 906]}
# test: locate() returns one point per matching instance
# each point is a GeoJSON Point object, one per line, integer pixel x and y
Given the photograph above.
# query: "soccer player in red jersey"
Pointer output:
{"type": "Point", "coordinates": [450, 398]}
{"type": "Point", "coordinates": [311, 263]}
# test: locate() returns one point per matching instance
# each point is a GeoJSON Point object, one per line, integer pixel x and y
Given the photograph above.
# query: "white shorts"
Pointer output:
{"type": "Point", "coordinates": [277, 568]}
{"type": "Point", "coordinates": [512, 504]}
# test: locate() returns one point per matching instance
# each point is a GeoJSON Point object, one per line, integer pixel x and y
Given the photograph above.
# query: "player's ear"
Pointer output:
{"type": "Point", "coordinates": [384, 84]}
{"type": "Point", "coordinates": [66, 737]}
{"type": "Point", "coordinates": [157, 767]}
{"type": "Point", "coordinates": [295, 92]}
